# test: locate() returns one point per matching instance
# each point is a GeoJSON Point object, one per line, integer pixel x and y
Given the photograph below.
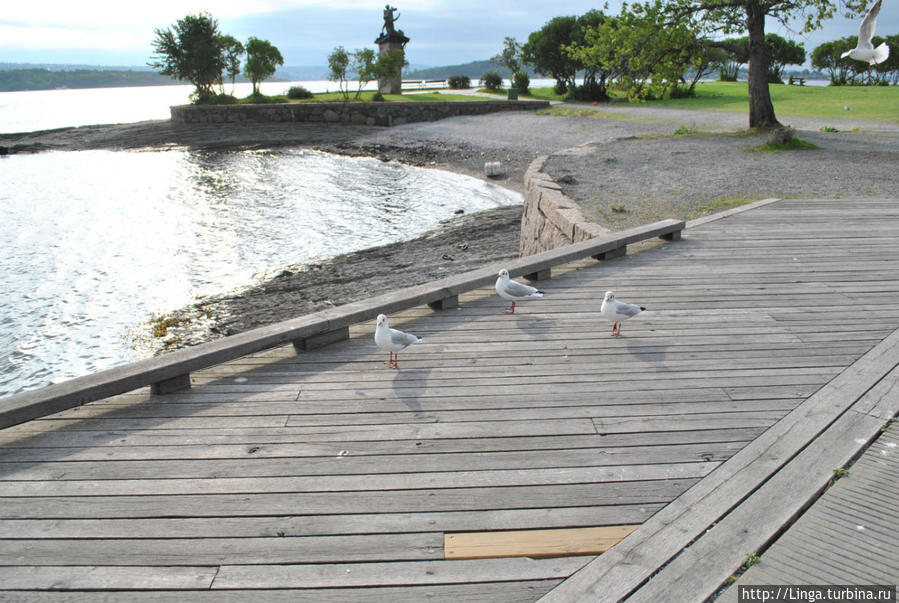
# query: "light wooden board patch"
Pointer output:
{"type": "Point", "coordinates": [533, 543]}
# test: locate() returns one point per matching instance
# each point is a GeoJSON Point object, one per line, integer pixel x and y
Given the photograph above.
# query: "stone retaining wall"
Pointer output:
{"type": "Point", "coordinates": [550, 218]}
{"type": "Point", "coordinates": [368, 113]}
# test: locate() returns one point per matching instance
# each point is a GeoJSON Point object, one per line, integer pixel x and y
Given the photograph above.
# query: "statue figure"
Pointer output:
{"type": "Point", "coordinates": [389, 19]}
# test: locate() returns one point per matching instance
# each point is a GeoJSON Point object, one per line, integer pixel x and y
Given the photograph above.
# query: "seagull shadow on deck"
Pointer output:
{"type": "Point", "coordinates": [408, 386]}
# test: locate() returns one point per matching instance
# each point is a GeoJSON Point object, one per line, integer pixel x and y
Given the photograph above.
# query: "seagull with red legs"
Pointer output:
{"type": "Point", "coordinates": [617, 311]}
{"type": "Point", "coordinates": [392, 340]}
{"type": "Point", "coordinates": [514, 291]}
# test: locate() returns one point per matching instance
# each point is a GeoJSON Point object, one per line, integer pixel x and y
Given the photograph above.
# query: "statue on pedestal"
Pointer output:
{"type": "Point", "coordinates": [389, 19]}
{"type": "Point", "coordinates": [389, 42]}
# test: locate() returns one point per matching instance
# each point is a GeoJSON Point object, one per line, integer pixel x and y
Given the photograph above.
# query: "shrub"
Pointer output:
{"type": "Point", "coordinates": [560, 88]}
{"type": "Point", "coordinates": [378, 97]}
{"type": "Point", "coordinates": [298, 93]}
{"type": "Point", "coordinates": [521, 81]}
{"type": "Point", "coordinates": [590, 91]}
{"type": "Point", "coordinates": [492, 80]}
{"type": "Point", "coordinates": [220, 99]}
{"type": "Point", "coordinates": [459, 82]}
{"type": "Point", "coordinates": [682, 92]}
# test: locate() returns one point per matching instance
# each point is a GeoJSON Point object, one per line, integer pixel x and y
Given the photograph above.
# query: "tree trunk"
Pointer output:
{"type": "Point", "coordinates": [761, 110]}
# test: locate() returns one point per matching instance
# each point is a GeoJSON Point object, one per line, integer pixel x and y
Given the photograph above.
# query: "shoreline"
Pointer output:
{"type": "Point", "coordinates": [458, 245]}
{"type": "Point", "coordinates": [598, 161]}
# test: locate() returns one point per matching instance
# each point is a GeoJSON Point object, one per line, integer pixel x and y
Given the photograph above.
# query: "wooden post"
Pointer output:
{"type": "Point", "coordinates": [614, 253]}
{"type": "Point", "coordinates": [168, 386]}
{"type": "Point", "coordinates": [319, 341]}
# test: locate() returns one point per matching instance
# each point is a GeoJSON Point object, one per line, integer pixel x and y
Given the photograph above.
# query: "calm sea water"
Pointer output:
{"type": "Point", "coordinates": [97, 242]}
{"type": "Point", "coordinates": [33, 110]}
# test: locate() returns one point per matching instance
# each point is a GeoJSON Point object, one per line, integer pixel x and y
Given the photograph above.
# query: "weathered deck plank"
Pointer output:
{"type": "Point", "coordinates": [324, 475]}
{"type": "Point", "coordinates": [848, 536]}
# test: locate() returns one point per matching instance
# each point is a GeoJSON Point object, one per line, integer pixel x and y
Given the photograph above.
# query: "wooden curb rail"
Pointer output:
{"type": "Point", "coordinates": [171, 372]}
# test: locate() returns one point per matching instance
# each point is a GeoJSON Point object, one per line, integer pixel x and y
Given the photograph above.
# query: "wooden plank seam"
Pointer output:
{"type": "Point", "coordinates": [628, 568]}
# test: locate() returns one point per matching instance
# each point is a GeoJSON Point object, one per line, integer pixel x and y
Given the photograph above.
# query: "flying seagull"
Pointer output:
{"type": "Point", "coordinates": [617, 311]}
{"type": "Point", "coordinates": [392, 340]}
{"type": "Point", "coordinates": [514, 291]}
{"type": "Point", "coordinates": [864, 50]}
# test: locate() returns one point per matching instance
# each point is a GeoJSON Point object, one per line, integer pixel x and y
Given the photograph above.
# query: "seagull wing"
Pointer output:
{"type": "Point", "coordinates": [866, 30]}
{"type": "Point", "coordinates": [627, 310]}
{"type": "Point", "coordinates": [399, 338]}
{"type": "Point", "coordinates": [516, 289]}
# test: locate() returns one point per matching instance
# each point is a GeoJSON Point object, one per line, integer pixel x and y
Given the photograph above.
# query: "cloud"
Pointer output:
{"type": "Point", "coordinates": [442, 31]}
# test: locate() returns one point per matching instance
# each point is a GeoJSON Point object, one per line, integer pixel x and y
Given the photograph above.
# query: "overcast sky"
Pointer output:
{"type": "Point", "coordinates": [442, 32]}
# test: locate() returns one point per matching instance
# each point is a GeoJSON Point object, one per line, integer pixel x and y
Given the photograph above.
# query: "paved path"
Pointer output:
{"type": "Point", "coordinates": [326, 475]}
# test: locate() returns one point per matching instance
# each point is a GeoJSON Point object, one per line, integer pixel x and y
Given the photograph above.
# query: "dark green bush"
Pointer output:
{"type": "Point", "coordinates": [459, 82]}
{"type": "Point", "coordinates": [219, 99]}
{"type": "Point", "coordinates": [492, 80]}
{"type": "Point", "coordinates": [298, 93]}
{"type": "Point", "coordinates": [378, 97]}
{"type": "Point", "coordinates": [521, 81]}
{"type": "Point", "coordinates": [590, 91]}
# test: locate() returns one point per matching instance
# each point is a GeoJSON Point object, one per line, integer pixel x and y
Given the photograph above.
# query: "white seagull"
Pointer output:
{"type": "Point", "coordinates": [617, 311]}
{"type": "Point", "coordinates": [864, 50]}
{"type": "Point", "coordinates": [514, 291]}
{"type": "Point", "coordinates": [392, 340]}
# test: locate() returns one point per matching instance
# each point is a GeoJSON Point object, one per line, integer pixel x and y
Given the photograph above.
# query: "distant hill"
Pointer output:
{"type": "Point", "coordinates": [300, 73]}
{"type": "Point", "coordinates": [50, 76]}
{"type": "Point", "coordinates": [72, 67]}
{"type": "Point", "coordinates": [474, 70]}
{"type": "Point", "coordinates": [44, 79]}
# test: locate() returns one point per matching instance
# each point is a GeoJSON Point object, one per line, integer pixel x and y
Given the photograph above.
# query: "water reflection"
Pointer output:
{"type": "Point", "coordinates": [97, 241]}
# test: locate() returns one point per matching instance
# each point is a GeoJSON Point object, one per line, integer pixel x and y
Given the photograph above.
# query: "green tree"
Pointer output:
{"type": "Point", "coordinates": [826, 57]}
{"type": "Point", "coordinates": [510, 57]}
{"type": "Point", "coordinates": [389, 65]}
{"type": "Point", "coordinates": [338, 63]}
{"type": "Point", "coordinates": [596, 59]}
{"type": "Point", "coordinates": [191, 51]}
{"type": "Point", "coordinates": [544, 52]}
{"type": "Point", "coordinates": [782, 52]}
{"type": "Point", "coordinates": [645, 55]}
{"type": "Point", "coordinates": [362, 62]}
{"type": "Point", "coordinates": [262, 61]}
{"type": "Point", "coordinates": [890, 67]}
{"type": "Point", "coordinates": [737, 16]}
{"type": "Point", "coordinates": [233, 50]}
{"type": "Point", "coordinates": [709, 59]}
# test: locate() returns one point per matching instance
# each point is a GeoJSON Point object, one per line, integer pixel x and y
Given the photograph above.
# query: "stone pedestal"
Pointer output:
{"type": "Point", "coordinates": [387, 43]}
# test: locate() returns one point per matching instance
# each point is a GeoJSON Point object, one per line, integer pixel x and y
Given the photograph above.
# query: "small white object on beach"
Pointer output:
{"type": "Point", "coordinates": [493, 168]}
{"type": "Point", "coordinates": [392, 340]}
{"type": "Point", "coordinates": [617, 311]}
{"type": "Point", "coordinates": [514, 291]}
{"type": "Point", "coordinates": [864, 50]}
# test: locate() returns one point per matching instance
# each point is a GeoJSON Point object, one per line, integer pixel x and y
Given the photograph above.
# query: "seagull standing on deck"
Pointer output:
{"type": "Point", "coordinates": [392, 340]}
{"type": "Point", "coordinates": [617, 311]}
{"type": "Point", "coordinates": [514, 291]}
{"type": "Point", "coordinates": [864, 50]}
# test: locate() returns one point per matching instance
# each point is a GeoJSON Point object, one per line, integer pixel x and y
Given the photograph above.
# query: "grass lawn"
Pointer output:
{"type": "Point", "coordinates": [868, 103]}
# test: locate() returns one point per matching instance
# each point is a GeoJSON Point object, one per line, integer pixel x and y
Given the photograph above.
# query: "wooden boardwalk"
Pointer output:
{"type": "Point", "coordinates": [848, 536]}
{"type": "Point", "coordinates": [326, 476]}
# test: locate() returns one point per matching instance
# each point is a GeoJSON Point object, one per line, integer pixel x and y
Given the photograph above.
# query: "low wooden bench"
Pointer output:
{"type": "Point", "coordinates": [171, 372]}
